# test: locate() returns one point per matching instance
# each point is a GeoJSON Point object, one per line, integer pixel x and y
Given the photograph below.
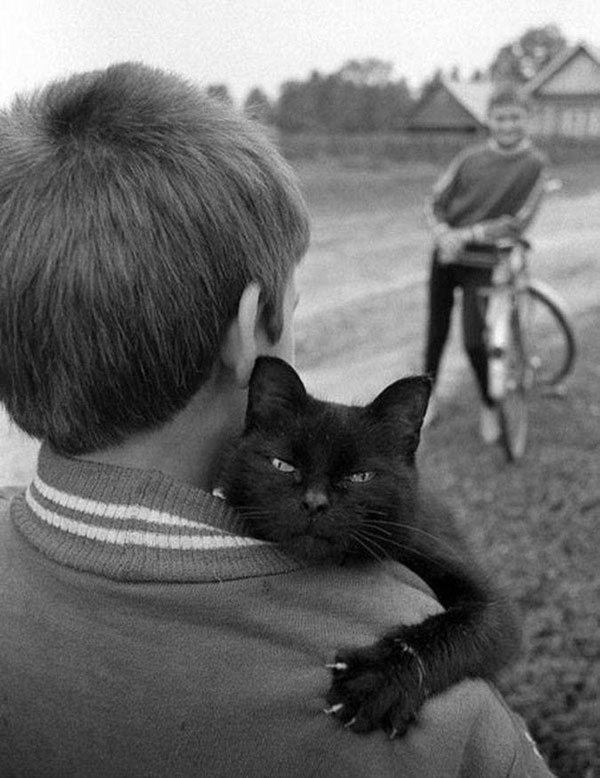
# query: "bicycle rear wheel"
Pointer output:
{"type": "Point", "coordinates": [549, 336]}
{"type": "Point", "coordinates": [513, 402]}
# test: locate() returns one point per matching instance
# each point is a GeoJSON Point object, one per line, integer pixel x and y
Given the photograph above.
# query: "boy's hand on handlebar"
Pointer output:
{"type": "Point", "coordinates": [497, 229]}
{"type": "Point", "coordinates": [450, 243]}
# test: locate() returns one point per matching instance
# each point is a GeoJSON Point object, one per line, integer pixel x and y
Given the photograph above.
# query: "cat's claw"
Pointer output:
{"type": "Point", "coordinates": [333, 709]}
{"type": "Point", "coordinates": [339, 666]}
{"type": "Point", "coordinates": [380, 689]}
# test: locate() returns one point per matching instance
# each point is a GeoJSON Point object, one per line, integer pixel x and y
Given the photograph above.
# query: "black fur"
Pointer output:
{"type": "Point", "coordinates": [353, 494]}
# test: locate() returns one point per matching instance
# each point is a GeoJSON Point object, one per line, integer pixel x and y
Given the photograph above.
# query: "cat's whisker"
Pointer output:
{"type": "Point", "coordinates": [375, 533]}
{"type": "Point", "coordinates": [381, 530]}
{"type": "Point", "coordinates": [441, 543]}
{"type": "Point", "coordinates": [418, 530]}
{"type": "Point", "coordinates": [416, 552]}
{"type": "Point", "coordinates": [367, 546]}
{"type": "Point", "coordinates": [367, 532]}
{"type": "Point", "coordinates": [256, 514]}
{"type": "Point", "coordinates": [373, 543]}
{"type": "Point", "coordinates": [405, 525]}
{"type": "Point", "coordinates": [250, 508]}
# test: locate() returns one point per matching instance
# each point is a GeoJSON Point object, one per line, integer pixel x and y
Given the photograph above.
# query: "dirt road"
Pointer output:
{"type": "Point", "coordinates": [362, 285]}
{"type": "Point", "coordinates": [361, 316]}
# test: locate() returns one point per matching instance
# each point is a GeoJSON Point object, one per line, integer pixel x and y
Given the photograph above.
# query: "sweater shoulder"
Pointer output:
{"type": "Point", "coordinates": [469, 154]}
{"type": "Point", "coordinates": [453, 171]}
{"type": "Point", "coordinates": [478, 151]}
{"type": "Point", "coordinates": [539, 156]}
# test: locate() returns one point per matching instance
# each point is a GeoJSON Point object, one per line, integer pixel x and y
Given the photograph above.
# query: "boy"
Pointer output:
{"type": "Point", "coordinates": [149, 243]}
{"type": "Point", "coordinates": [490, 191]}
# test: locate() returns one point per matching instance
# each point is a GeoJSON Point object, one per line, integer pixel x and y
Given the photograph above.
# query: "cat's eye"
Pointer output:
{"type": "Point", "coordinates": [360, 478]}
{"type": "Point", "coordinates": [282, 465]}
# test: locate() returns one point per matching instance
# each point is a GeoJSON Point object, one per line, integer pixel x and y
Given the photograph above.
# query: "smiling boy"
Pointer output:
{"type": "Point", "coordinates": [490, 191]}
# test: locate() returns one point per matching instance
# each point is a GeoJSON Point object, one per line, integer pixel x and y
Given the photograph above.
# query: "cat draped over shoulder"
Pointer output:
{"type": "Point", "coordinates": [334, 483]}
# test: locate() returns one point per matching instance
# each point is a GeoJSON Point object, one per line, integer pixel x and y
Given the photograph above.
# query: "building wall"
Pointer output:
{"type": "Point", "coordinates": [580, 76]}
{"type": "Point", "coordinates": [568, 104]}
{"type": "Point", "coordinates": [577, 117]}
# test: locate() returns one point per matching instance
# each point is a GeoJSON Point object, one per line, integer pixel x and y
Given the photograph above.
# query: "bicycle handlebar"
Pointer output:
{"type": "Point", "coordinates": [503, 244]}
{"type": "Point", "coordinates": [474, 254]}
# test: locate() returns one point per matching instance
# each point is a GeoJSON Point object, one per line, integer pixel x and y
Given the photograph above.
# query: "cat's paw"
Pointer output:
{"type": "Point", "coordinates": [379, 687]}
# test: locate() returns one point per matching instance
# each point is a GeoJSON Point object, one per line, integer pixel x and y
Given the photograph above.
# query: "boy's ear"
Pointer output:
{"type": "Point", "coordinates": [276, 390]}
{"type": "Point", "coordinates": [404, 404]}
{"type": "Point", "coordinates": [239, 348]}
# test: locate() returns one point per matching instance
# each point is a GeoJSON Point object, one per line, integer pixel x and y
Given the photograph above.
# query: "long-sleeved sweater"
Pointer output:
{"type": "Point", "coordinates": [484, 182]}
{"type": "Point", "coordinates": [142, 635]}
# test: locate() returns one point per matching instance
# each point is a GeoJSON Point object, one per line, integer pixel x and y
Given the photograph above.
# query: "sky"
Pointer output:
{"type": "Point", "coordinates": [247, 43]}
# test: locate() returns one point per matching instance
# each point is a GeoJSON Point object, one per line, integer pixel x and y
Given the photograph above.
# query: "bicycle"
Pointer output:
{"type": "Point", "coordinates": [529, 339]}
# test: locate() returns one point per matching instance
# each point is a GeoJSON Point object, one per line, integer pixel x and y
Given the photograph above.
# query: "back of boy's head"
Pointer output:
{"type": "Point", "coordinates": [507, 93]}
{"type": "Point", "coordinates": [134, 210]}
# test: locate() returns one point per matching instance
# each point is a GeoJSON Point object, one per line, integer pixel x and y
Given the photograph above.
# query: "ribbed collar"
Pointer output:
{"type": "Point", "coordinates": [522, 145]}
{"type": "Point", "coordinates": [137, 525]}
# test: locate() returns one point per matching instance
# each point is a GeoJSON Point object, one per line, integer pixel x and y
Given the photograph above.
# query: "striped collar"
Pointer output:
{"type": "Point", "coordinates": [137, 525]}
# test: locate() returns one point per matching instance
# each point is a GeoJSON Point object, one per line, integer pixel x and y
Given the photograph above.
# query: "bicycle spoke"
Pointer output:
{"type": "Point", "coordinates": [550, 339]}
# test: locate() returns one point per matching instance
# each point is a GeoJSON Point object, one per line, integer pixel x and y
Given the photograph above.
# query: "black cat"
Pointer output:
{"type": "Point", "coordinates": [333, 483]}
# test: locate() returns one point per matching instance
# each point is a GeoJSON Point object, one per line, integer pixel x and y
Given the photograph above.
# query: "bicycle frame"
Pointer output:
{"type": "Point", "coordinates": [517, 358]}
{"type": "Point", "coordinates": [505, 307]}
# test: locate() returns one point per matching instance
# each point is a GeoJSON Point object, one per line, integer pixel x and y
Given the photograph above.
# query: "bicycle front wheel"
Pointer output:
{"type": "Point", "coordinates": [513, 402]}
{"type": "Point", "coordinates": [549, 336]}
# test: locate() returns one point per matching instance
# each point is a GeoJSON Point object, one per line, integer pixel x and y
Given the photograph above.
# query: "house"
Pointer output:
{"type": "Point", "coordinates": [566, 94]}
{"type": "Point", "coordinates": [452, 106]}
{"type": "Point", "coordinates": [565, 98]}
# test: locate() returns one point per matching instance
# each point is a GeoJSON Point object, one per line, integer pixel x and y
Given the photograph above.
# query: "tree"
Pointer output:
{"type": "Point", "coordinates": [296, 108]}
{"type": "Point", "coordinates": [258, 106]}
{"type": "Point", "coordinates": [523, 58]}
{"type": "Point", "coordinates": [431, 84]}
{"type": "Point", "coordinates": [368, 100]}
{"type": "Point", "coordinates": [359, 97]}
{"type": "Point", "coordinates": [219, 92]}
{"type": "Point", "coordinates": [366, 72]}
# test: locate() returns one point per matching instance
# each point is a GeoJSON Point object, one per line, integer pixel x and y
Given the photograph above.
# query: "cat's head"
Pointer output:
{"type": "Point", "coordinates": [325, 480]}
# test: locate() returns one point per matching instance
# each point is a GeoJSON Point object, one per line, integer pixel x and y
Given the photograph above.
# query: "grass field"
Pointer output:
{"type": "Point", "coordinates": [537, 526]}
{"type": "Point", "coordinates": [360, 326]}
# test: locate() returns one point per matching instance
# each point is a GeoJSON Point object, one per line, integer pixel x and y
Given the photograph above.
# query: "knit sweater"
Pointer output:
{"type": "Point", "coordinates": [484, 182]}
{"type": "Point", "coordinates": [142, 635]}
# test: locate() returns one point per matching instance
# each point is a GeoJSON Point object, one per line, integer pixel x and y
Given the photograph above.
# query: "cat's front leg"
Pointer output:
{"type": "Point", "coordinates": [378, 687]}
{"type": "Point", "coordinates": [383, 686]}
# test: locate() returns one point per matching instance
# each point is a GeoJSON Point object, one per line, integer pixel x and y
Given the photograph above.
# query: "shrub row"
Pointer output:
{"type": "Point", "coordinates": [404, 147]}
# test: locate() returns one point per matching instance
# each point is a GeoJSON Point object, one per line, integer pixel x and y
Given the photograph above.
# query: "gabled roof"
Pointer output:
{"type": "Point", "coordinates": [453, 105]}
{"type": "Point", "coordinates": [559, 62]}
{"type": "Point", "coordinates": [472, 95]}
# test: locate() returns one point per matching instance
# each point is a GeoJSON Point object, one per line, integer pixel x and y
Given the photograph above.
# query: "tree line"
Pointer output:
{"type": "Point", "coordinates": [363, 95]}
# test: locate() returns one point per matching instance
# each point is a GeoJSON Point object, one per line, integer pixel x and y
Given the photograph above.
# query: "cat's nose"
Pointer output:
{"type": "Point", "coordinates": [315, 501]}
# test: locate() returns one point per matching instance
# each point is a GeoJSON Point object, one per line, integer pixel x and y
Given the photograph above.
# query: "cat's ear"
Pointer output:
{"type": "Point", "coordinates": [275, 389]}
{"type": "Point", "coordinates": [404, 404]}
